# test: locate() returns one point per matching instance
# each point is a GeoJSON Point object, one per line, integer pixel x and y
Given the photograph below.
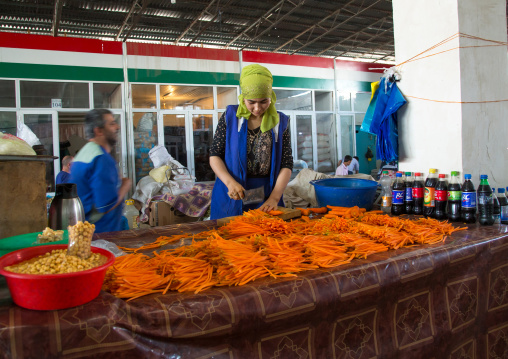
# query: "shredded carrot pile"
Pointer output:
{"type": "Point", "coordinates": [258, 245]}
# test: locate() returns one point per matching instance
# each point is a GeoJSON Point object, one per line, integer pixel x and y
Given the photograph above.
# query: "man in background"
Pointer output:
{"type": "Point", "coordinates": [65, 173]}
{"type": "Point", "coordinates": [354, 166]}
{"type": "Point", "coordinates": [96, 175]}
{"type": "Point", "coordinates": [342, 169]}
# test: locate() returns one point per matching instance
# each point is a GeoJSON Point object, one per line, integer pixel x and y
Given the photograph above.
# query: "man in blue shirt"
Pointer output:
{"type": "Point", "coordinates": [64, 175]}
{"type": "Point", "coordinates": [95, 173]}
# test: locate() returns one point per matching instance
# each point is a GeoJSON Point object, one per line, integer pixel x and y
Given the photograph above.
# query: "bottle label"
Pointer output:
{"type": "Point", "coordinates": [454, 195]}
{"type": "Point", "coordinates": [387, 201]}
{"type": "Point", "coordinates": [468, 200]}
{"type": "Point", "coordinates": [428, 197]}
{"type": "Point", "coordinates": [418, 192]}
{"type": "Point", "coordinates": [440, 195]}
{"type": "Point", "coordinates": [398, 197]}
{"type": "Point", "coordinates": [409, 194]}
{"type": "Point", "coordinates": [135, 223]}
{"type": "Point", "coordinates": [485, 198]}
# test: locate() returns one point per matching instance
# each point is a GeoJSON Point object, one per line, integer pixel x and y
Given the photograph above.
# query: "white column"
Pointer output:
{"type": "Point", "coordinates": [471, 138]}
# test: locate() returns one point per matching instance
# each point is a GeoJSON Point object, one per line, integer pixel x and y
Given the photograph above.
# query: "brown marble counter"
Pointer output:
{"type": "Point", "coordinates": [442, 301]}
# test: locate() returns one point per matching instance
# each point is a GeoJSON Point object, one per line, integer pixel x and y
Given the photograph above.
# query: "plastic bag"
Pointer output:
{"type": "Point", "coordinates": [113, 248]}
{"type": "Point", "coordinates": [146, 188]}
{"type": "Point", "coordinates": [159, 156]}
{"type": "Point", "coordinates": [145, 124]}
{"type": "Point", "coordinates": [26, 134]}
{"type": "Point", "coordinates": [12, 145]}
{"type": "Point", "coordinates": [159, 174]}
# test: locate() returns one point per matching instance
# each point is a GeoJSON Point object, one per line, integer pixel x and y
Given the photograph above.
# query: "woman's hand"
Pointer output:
{"type": "Point", "coordinates": [236, 191]}
{"type": "Point", "coordinates": [269, 205]}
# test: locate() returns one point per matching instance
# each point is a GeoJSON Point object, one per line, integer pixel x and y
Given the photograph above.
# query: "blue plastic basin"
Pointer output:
{"type": "Point", "coordinates": [345, 192]}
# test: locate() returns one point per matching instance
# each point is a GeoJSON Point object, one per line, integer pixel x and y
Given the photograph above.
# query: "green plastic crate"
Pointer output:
{"type": "Point", "coordinates": [11, 244]}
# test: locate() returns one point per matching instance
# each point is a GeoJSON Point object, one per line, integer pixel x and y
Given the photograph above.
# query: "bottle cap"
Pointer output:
{"type": "Point", "coordinates": [441, 175]}
{"type": "Point", "coordinates": [467, 176]}
{"type": "Point", "coordinates": [399, 174]}
{"type": "Point", "coordinates": [493, 189]}
{"type": "Point", "coordinates": [484, 177]}
{"type": "Point", "coordinates": [432, 170]}
{"type": "Point", "coordinates": [500, 190]}
{"type": "Point", "coordinates": [385, 172]}
{"type": "Point", "coordinates": [455, 173]}
{"type": "Point", "coordinates": [418, 174]}
{"type": "Point", "coordinates": [129, 201]}
{"type": "Point", "coordinates": [408, 173]}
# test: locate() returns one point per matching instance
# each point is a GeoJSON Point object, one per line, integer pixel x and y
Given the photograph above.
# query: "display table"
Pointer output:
{"type": "Point", "coordinates": [441, 301]}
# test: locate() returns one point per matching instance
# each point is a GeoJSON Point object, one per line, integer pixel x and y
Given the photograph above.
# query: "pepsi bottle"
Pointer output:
{"type": "Point", "coordinates": [468, 207]}
{"type": "Point", "coordinates": [398, 194]}
{"type": "Point", "coordinates": [408, 200]}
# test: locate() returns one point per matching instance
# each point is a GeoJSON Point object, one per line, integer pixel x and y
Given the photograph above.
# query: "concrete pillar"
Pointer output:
{"type": "Point", "coordinates": [467, 137]}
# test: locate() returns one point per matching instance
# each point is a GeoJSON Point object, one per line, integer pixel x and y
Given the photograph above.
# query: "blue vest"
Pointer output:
{"type": "Point", "coordinates": [236, 163]}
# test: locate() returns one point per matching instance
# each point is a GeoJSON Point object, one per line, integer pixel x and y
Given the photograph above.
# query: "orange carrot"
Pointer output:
{"type": "Point", "coordinates": [319, 210]}
{"type": "Point", "coordinates": [274, 213]}
{"type": "Point", "coordinates": [305, 211]}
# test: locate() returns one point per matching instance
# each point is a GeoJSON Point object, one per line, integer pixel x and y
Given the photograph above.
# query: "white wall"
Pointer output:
{"type": "Point", "coordinates": [452, 136]}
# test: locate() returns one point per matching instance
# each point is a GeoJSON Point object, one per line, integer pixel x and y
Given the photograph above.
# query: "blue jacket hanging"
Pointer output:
{"type": "Point", "coordinates": [235, 160]}
{"type": "Point", "coordinates": [387, 100]}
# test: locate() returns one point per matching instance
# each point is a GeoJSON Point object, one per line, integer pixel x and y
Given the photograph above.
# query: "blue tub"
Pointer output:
{"type": "Point", "coordinates": [345, 192]}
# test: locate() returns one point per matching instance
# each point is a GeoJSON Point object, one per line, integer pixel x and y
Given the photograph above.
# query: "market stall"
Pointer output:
{"type": "Point", "coordinates": [438, 301]}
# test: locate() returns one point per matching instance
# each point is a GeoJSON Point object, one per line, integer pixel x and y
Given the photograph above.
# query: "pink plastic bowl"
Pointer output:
{"type": "Point", "coordinates": [53, 291]}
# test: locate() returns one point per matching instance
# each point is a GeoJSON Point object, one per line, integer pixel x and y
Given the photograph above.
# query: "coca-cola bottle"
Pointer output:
{"type": "Point", "coordinates": [398, 193]}
{"type": "Point", "coordinates": [418, 194]}
{"type": "Point", "coordinates": [441, 198]}
{"type": "Point", "coordinates": [408, 200]}
{"type": "Point", "coordinates": [429, 205]}
{"type": "Point", "coordinates": [454, 198]}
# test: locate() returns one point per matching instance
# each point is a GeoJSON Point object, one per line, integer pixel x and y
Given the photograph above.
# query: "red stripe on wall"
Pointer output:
{"type": "Point", "coordinates": [359, 66]}
{"type": "Point", "coordinates": [60, 43]}
{"type": "Point", "coordinates": [283, 59]}
{"type": "Point", "coordinates": [186, 52]}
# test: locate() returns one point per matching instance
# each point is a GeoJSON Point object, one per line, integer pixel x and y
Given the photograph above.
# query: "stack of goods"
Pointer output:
{"type": "Point", "coordinates": [324, 156]}
{"type": "Point", "coordinates": [258, 245]}
{"type": "Point", "coordinates": [143, 143]}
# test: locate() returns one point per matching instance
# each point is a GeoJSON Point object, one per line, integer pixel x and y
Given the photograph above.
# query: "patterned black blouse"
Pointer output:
{"type": "Point", "coordinates": [259, 154]}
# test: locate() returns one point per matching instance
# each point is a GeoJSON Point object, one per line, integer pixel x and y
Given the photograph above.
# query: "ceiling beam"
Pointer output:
{"type": "Point", "coordinates": [136, 18]}
{"type": "Point", "coordinates": [273, 24]}
{"type": "Point", "coordinates": [57, 14]}
{"type": "Point", "coordinates": [196, 19]}
{"type": "Point", "coordinates": [257, 22]}
{"type": "Point", "coordinates": [127, 18]}
{"type": "Point", "coordinates": [382, 20]}
{"type": "Point", "coordinates": [335, 27]}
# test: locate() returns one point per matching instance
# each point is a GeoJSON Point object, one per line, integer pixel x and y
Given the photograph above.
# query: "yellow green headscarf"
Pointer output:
{"type": "Point", "coordinates": [256, 82]}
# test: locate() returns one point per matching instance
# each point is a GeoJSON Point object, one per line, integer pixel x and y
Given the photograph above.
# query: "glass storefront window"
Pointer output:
{"type": "Point", "coordinates": [202, 127]}
{"type": "Point", "coordinates": [107, 95]}
{"type": "Point", "coordinates": [304, 139]}
{"type": "Point", "coordinates": [300, 100]}
{"type": "Point", "coordinates": [40, 94]}
{"type": "Point", "coordinates": [186, 97]}
{"type": "Point", "coordinates": [42, 126]}
{"type": "Point", "coordinates": [174, 137]}
{"type": "Point", "coordinates": [145, 138]}
{"type": "Point", "coordinates": [8, 122]}
{"type": "Point", "coordinates": [347, 135]}
{"type": "Point", "coordinates": [7, 93]}
{"type": "Point", "coordinates": [344, 100]}
{"type": "Point", "coordinates": [361, 101]}
{"type": "Point", "coordinates": [226, 96]}
{"type": "Point", "coordinates": [323, 100]}
{"type": "Point", "coordinates": [326, 144]}
{"type": "Point", "coordinates": [143, 96]}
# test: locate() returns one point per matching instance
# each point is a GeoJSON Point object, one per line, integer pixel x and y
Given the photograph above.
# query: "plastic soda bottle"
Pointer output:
{"type": "Point", "coordinates": [386, 192]}
{"type": "Point", "coordinates": [503, 203]}
{"type": "Point", "coordinates": [454, 198]}
{"type": "Point", "coordinates": [468, 206]}
{"type": "Point", "coordinates": [497, 207]}
{"type": "Point", "coordinates": [429, 204]}
{"type": "Point", "coordinates": [441, 198]}
{"type": "Point", "coordinates": [408, 200]}
{"type": "Point", "coordinates": [131, 213]}
{"type": "Point", "coordinates": [485, 202]}
{"type": "Point", "coordinates": [398, 194]}
{"type": "Point", "coordinates": [418, 194]}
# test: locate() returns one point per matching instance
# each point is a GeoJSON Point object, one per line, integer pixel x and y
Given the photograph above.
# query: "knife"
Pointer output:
{"type": "Point", "coordinates": [255, 195]}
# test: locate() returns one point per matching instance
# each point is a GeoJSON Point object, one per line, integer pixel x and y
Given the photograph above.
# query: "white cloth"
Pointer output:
{"type": "Point", "coordinates": [354, 166]}
{"type": "Point", "coordinates": [341, 170]}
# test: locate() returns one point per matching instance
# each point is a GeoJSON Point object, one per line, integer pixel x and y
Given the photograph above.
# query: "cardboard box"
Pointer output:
{"type": "Point", "coordinates": [162, 214]}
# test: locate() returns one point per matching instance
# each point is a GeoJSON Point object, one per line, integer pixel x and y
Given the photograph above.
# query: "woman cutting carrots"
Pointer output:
{"type": "Point", "coordinates": [251, 148]}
